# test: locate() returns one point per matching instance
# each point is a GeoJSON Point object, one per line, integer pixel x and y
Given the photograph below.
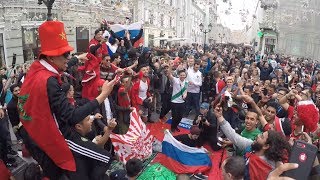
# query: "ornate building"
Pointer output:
{"type": "Point", "coordinates": [287, 27]}
{"type": "Point", "coordinates": [20, 19]}
{"type": "Point", "coordinates": [170, 21]}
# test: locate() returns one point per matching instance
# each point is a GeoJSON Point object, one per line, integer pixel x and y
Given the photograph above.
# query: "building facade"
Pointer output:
{"type": "Point", "coordinates": [286, 27]}
{"type": "Point", "coordinates": [20, 20]}
{"type": "Point", "coordinates": [175, 21]}
{"type": "Point", "coordinates": [159, 18]}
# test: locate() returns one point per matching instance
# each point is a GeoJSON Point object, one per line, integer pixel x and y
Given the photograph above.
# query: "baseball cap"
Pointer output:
{"type": "Point", "coordinates": [204, 105]}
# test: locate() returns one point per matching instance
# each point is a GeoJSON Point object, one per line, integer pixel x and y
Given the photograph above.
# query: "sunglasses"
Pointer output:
{"type": "Point", "coordinates": [66, 55]}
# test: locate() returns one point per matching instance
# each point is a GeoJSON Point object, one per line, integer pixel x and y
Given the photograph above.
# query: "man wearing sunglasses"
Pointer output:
{"type": "Point", "coordinates": [44, 109]}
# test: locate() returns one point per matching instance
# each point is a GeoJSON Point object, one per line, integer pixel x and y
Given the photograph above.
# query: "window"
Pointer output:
{"type": "Point", "coordinates": [162, 20]}
{"type": "Point", "coordinates": [151, 19]}
{"type": "Point", "coordinates": [82, 39]}
{"type": "Point", "coordinates": [30, 43]}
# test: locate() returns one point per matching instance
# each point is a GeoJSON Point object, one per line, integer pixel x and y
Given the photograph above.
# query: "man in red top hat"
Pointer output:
{"type": "Point", "coordinates": [44, 109]}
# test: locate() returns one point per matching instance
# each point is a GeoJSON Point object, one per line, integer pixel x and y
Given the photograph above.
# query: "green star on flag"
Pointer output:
{"type": "Point", "coordinates": [21, 102]}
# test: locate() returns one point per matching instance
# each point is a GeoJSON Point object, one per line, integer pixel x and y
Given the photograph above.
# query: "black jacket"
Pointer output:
{"type": "Point", "coordinates": [207, 130]}
{"type": "Point", "coordinates": [64, 112]}
{"type": "Point", "coordinates": [13, 111]}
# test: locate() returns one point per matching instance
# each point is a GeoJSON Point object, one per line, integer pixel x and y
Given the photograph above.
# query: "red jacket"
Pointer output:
{"type": "Point", "coordinates": [101, 50]}
{"type": "Point", "coordinates": [91, 77]}
{"type": "Point", "coordinates": [134, 94]}
{"type": "Point", "coordinates": [220, 85]}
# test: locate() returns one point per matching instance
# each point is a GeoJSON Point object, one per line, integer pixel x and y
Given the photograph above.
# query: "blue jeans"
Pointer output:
{"type": "Point", "coordinates": [193, 102]}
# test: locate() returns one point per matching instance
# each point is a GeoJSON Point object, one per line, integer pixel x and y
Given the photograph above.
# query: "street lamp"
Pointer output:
{"type": "Point", "coordinates": [205, 31]}
{"type": "Point", "coordinates": [221, 36]}
{"type": "Point", "coordinates": [49, 4]}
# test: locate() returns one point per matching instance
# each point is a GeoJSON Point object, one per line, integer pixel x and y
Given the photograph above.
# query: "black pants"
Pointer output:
{"type": "Point", "coordinates": [4, 123]}
{"type": "Point", "coordinates": [166, 104]}
{"type": "Point", "coordinates": [177, 113]}
{"type": "Point", "coordinates": [193, 101]}
{"type": "Point", "coordinates": [3, 143]}
{"type": "Point", "coordinates": [50, 170]}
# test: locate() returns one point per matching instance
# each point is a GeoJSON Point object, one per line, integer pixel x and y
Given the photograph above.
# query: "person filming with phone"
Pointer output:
{"type": "Point", "coordinates": [263, 154]}
{"type": "Point", "coordinates": [207, 122]}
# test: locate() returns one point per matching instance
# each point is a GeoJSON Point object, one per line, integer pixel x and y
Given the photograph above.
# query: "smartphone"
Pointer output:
{"type": "Point", "coordinates": [220, 141]}
{"type": "Point", "coordinates": [303, 154]}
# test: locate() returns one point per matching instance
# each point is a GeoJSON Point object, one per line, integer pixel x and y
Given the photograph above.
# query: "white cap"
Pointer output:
{"type": "Point", "coordinates": [300, 84]}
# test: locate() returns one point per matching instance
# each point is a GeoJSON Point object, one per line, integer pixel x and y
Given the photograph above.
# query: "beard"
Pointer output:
{"type": "Point", "coordinates": [255, 146]}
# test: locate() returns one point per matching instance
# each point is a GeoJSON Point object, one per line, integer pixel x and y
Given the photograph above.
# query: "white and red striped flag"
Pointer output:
{"type": "Point", "coordinates": [136, 143]}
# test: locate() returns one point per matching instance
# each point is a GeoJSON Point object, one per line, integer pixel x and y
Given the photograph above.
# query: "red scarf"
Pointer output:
{"type": "Point", "coordinates": [37, 118]}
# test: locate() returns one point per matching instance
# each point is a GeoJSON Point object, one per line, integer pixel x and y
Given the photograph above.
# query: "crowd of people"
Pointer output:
{"type": "Point", "coordinates": [63, 107]}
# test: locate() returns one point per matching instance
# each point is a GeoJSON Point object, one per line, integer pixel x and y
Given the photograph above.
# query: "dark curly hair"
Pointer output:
{"type": "Point", "coordinates": [279, 147]}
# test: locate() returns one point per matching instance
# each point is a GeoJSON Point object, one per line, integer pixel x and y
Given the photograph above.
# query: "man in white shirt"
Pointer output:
{"type": "Point", "coordinates": [140, 94]}
{"type": "Point", "coordinates": [194, 84]}
{"type": "Point", "coordinates": [178, 97]}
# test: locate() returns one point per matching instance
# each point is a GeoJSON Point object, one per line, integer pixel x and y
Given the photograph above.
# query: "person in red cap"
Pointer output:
{"type": "Point", "coordinates": [44, 109]}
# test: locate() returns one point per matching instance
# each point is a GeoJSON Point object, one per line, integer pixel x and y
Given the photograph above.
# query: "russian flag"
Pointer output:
{"type": "Point", "coordinates": [120, 29]}
{"type": "Point", "coordinates": [134, 30]}
{"type": "Point", "coordinates": [182, 158]}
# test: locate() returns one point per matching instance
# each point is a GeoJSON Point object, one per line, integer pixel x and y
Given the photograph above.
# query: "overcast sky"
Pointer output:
{"type": "Point", "coordinates": [233, 20]}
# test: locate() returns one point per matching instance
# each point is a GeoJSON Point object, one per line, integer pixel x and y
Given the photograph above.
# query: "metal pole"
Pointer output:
{"type": "Point", "coordinates": [204, 43]}
{"type": "Point", "coordinates": [49, 4]}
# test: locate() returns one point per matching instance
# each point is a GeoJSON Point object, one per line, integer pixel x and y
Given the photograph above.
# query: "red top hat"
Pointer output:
{"type": "Point", "coordinates": [53, 39]}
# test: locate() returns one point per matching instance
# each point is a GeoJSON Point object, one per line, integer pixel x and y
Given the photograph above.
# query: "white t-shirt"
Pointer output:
{"type": "Point", "coordinates": [143, 90]}
{"type": "Point", "coordinates": [196, 78]}
{"type": "Point", "coordinates": [177, 85]}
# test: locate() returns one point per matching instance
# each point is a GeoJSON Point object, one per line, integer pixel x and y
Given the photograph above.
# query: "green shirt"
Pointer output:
{"type": "Point", "coordinates": [249, 135]}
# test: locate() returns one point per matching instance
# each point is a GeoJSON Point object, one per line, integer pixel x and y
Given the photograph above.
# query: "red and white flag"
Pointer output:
{"type": "Point", "coordinates": [136, 143]}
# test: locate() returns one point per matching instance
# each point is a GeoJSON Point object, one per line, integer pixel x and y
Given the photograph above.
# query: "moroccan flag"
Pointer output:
{"type": "Point", "coordinates": [183, 159]}
{"type": "Point", "coordinates": [37, 118]}
{"type": "Point", "coordinates": [258, 168]}
{"type": "Point", "coordinates": [136, 143]}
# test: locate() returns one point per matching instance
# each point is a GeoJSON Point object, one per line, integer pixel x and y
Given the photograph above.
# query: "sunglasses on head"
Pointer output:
{"type": "Point", "coordinates": [66, 55]}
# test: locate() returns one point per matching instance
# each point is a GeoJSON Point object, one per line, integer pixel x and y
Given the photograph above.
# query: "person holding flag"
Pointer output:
{"type": "Point", "coordinates": [44, 109]}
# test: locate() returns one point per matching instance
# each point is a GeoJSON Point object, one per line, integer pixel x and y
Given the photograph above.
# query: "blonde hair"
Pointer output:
{"type": "Point", "coordinates": [229, 78]}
